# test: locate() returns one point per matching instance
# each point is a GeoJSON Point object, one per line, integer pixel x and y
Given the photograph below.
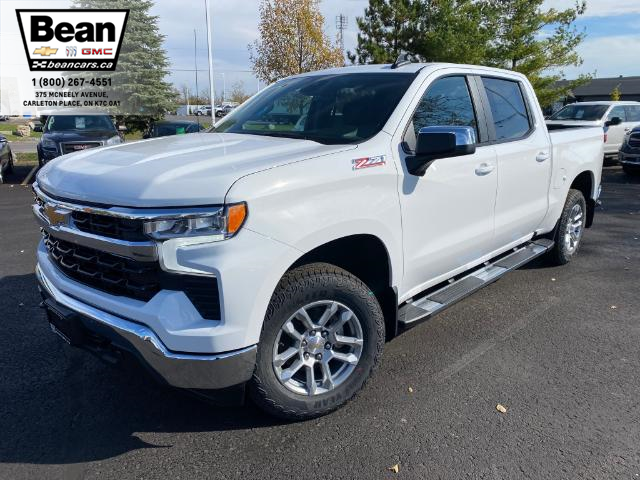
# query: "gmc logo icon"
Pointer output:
{"type": "Point", "coordinates": [92, 37]}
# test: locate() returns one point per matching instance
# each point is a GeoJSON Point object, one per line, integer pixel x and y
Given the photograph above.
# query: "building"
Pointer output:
{"type": "Point", "coordinates": [599, 89]}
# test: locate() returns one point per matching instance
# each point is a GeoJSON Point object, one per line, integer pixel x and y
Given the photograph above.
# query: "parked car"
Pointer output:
{"type": "Point", "coordinates": [629, 155]}
{"type": "Point", "coordinates": [167, 128]}
{"type": "Point", "coordinates": [35, 125]}
{"type": "Point", "coordinates": [224, 110]}
{"type": "Point", "coordinates": [617, 118]}
{"type": "Point", "coordinates": [4, 118]}
{"type": "Point", "coordinates": [204, 111]}
{"type": "Point", "coordinates": [71, 133]}
{"type": "Point", "coordinates": [280, 256]}
{"type": "Point", "coordinates": [6, 158]}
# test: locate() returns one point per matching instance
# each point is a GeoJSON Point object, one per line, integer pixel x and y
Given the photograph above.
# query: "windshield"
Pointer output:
{"type": "Point", "coordinates": [330, 109]}
{"type": "Point", "coordinates": [67, 123]}
{"type": "Point", "coordinates": [581, 112]}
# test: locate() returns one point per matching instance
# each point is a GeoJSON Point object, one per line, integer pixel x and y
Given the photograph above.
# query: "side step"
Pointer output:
{"type": "Point", "coordinates": [417, 310]}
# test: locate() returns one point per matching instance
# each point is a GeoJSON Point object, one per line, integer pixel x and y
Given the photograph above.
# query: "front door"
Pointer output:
{"type": "Point", "coordinates": [447, 215]}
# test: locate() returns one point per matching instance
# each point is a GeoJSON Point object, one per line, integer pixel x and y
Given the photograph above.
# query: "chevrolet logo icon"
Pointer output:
{"type": "Point", "coordinates": [45, 51]}
{"type": "Point", "coordinates": [55, 215]}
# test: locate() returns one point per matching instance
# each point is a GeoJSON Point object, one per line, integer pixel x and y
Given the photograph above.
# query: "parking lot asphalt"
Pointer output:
{"type": "Point", "coordinates": [559, 347]}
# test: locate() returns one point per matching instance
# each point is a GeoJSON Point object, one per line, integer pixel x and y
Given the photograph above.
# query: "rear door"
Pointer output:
{"type": "Point", "coordinates": [523, 157]}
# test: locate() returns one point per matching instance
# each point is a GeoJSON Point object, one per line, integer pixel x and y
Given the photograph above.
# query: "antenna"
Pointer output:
{"type": "Point", "coordinates": [341, 24]}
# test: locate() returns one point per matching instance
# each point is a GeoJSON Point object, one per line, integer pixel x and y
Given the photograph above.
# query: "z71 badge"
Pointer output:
{"type": "Point", "coordinates": [367, 162]}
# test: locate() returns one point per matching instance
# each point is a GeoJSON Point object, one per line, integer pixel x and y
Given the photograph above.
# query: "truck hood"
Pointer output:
{"type": "Point", "coordinates": [183, 170]}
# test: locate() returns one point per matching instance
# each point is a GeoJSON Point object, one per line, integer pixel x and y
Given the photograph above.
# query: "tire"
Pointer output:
{"type": "Point", "coordinates": [631, 171]}
{"type": "Point", "coordinates": [570, 229]}
{"type": "Point", "coordinates": [318, 289]}
{"type": "Point", "coordinates": [10, 163]}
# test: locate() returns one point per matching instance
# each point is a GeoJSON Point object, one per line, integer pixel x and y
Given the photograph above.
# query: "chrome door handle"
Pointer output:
{"type": "Point", "coordinates": [542, 156]}
{"type": "Point", "coordinates": [484, 169]}
{"type": "Point", "coordinates": [627, 129]}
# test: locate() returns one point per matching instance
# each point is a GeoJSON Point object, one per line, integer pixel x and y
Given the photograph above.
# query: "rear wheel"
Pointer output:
{"type": "Point", "coordinates": [570, 229]}
{"type": "Point", "coordinates": [322, 339]}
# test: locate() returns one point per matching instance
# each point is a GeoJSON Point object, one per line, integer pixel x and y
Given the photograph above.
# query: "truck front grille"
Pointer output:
{"type": "Point", "coordinates": [107, 226]}
{"type": "Point", "coordinates": [104, 271]}
{"type": "Point", "coordinates": [634, 140]}
{"type": "Point", "coordinates": [131, 278]}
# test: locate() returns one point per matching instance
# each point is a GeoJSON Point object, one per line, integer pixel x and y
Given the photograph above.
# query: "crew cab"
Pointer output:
{"type": "Point", "coordinates": [73, 132]}
{"type": "Point", "coordinates": [274, 255]}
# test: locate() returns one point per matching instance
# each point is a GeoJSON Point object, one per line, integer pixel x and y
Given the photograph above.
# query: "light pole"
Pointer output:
{"type": "Point", "coordinates": [210, 49]}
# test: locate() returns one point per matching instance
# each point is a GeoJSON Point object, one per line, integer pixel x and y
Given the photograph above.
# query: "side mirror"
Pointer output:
{"type": "Point", "coordinates": [440, 142]}
{"type": "Point", "coordinates": [613, 122]}
{"type": "Point", "coordinates": [3, 139]}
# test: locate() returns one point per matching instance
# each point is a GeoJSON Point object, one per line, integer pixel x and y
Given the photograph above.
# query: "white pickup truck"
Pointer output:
{"type": "Point", "coordinates": [330, 212]}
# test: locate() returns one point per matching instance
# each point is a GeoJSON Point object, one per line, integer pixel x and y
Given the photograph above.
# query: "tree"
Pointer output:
{"type": "Point", "coordinates": [237, 92]}
{"type": "Point", "coordinates": [616, 94]}
{"type": "Point", "coordinates": [519, 35]}
{"type": "Point", "coordinates": [139, 78]}
{"type": "Point", "coordinates": [291, 40]}
{"type": "Point", "coordinates": [536, 42]}
{"type": "Point", "coordinates": [388, 28]}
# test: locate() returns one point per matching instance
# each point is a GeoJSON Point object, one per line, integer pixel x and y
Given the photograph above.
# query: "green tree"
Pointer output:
{"type": "Point", "coordinates": [139, 78]}
{"type": "Point", "coordinates": [519, 35]}
{"type": "Point", "coordinates": [388, 28]}
{"type": "Point", "coordinates": [291, 41]}
{"type": "Point", "coordinates": [537, 42]}
{"type": "Point", "coordinates": [616, 94]}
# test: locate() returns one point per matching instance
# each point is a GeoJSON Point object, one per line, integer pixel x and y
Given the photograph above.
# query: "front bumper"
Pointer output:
{"type": "Point", "coordinates": [89, 327]}
{"type": "Point", "coordinates": [631, 159]}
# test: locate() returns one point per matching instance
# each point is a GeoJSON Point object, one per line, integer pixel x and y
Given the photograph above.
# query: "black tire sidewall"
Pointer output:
{"type": "Point", "coordinates": [299, 288]}
{"type": "Point", "coordinates": [561, 254]}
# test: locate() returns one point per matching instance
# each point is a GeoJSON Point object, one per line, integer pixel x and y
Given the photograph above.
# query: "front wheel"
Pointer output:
{"type": "Point", "coordinates": [570, 228]}
{"type": "Point", "coordinates": [322, 339]}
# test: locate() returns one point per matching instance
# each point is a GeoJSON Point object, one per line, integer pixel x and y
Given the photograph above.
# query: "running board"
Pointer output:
{"type": "Point", "coordinates": [417, 310]}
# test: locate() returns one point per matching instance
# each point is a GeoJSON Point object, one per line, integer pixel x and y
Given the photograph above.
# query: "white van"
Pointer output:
{"type": "Point", "coordinates": [603, 114]}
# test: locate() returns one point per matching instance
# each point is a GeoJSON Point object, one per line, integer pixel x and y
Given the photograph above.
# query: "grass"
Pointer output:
{"type": "Point", "coordinates": [27, 159]}
{"type": "Point", "coordinates": [133, 136]}
{"type": "Point", "coordinates": [14, 138]}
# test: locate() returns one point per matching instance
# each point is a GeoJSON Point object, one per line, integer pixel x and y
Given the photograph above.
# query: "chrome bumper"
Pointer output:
{"type": "Point", "coordinates": [183, 370]}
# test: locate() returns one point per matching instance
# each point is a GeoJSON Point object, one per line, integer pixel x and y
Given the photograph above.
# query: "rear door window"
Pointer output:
{"type": "Point", "coordinates": [633, 113]}
{"type": "Point", "coordinates": [508, 108]}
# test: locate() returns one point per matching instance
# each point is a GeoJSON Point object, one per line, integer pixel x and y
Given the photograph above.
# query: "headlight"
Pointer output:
{"type": "Point", "coordinates": [114, 141]}
{"type": "Point", "coordinates": [219, 225]}
{"type": "Point", "coordinates": [48, 144]}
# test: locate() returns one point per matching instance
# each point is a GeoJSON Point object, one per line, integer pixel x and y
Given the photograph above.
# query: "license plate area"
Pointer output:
{"type": "Point", "coordinates": [65, 324]}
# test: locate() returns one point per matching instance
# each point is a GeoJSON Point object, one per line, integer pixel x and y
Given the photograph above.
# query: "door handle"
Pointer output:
{"type": "Point", "coordinates": [542, 156]}
{"type": "Point", "coordinates": [484, 169]}
{"type": "Point", "coordinates": [627, 129]}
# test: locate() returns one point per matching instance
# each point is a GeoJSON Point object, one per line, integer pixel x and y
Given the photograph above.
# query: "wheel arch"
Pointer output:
{"type": "Point", "coordinates": [357, 254]}
{"type": "Point", "coordinates": [584, 182]}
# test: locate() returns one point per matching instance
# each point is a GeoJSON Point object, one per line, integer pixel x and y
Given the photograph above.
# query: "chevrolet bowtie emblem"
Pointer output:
{"type": "Point", "coordinates": [45, 51]}
{"type": "Point", "coordinates": [55, 215]}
